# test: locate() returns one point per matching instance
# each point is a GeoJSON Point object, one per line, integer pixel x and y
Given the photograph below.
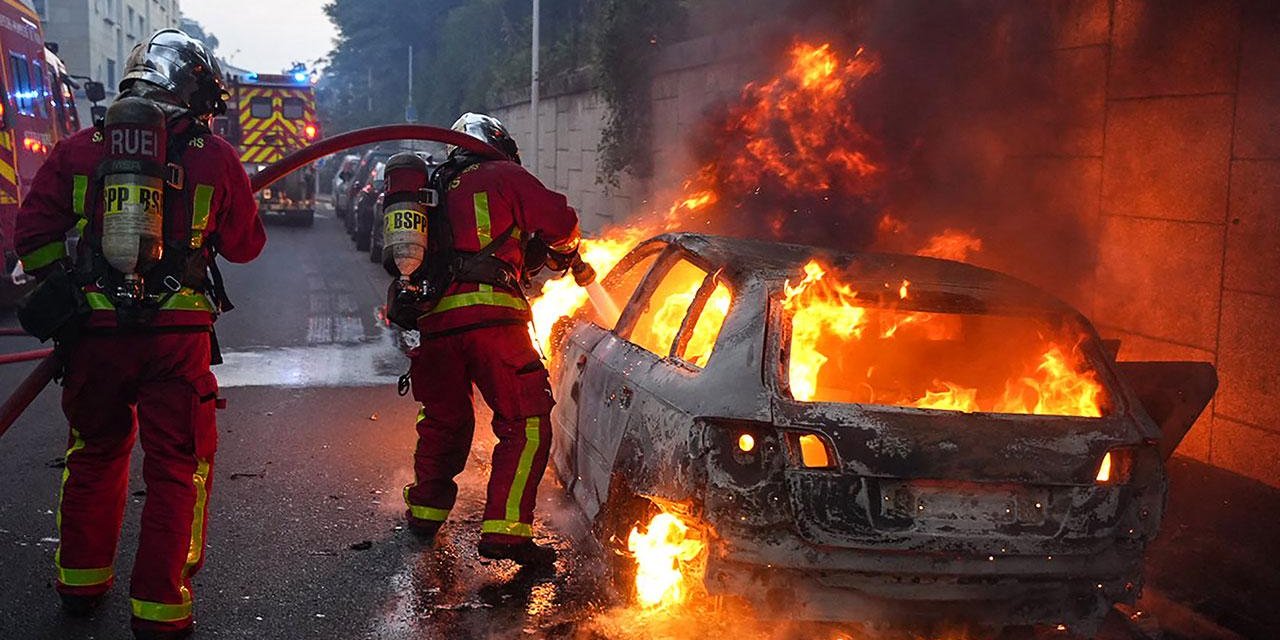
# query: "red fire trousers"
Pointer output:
{"type": "Point", "coordinates": [502, 363]}
{"type": "Point", "coordinates": [156, 387]}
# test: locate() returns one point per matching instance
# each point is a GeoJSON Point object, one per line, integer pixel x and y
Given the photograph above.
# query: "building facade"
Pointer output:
{"type": "Point", "coordinates": [94, 37]}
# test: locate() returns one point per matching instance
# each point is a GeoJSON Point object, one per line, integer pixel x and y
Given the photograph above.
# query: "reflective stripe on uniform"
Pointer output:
{"type": "Point", "coordinates": [161, 612]}
{"type": "Point", "coordinates": [200, 214]}
{"type": "Point", "coordinates": [532, 438]}
{"type": "Point", "coordinates": [74, 577]}
{"type": "Point", "coordinates": [507, 527]}
{"type": "Point", "coordinates": [79, 192]}
{"type": "Point", "coordinates": [184, 300]}
{"type": "Point", "coordinates": [45, 256]}
{"type": "Point", "coordinates": [491, 298]}
{"type": "Point", "coordinates": [200, 480]}
{"type": "Point", "coordinates": [484, 225]}
{"type": "Point", "coordinates": [422, 512]}
{"type": "Point", "coordinates": [164, 612]}
{"type": "Point", "coordinates": [84, 577]}
{"type": "Point", "coordinates": [416, 510]}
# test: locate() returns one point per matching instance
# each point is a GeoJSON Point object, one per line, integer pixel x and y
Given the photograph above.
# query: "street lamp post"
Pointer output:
{"type": "Point", "coordinates": [534, 97]}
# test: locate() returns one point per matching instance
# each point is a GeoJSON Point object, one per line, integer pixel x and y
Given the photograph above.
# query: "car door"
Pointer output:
{"type": "Point", "coordinates": [577, 373]}
{"type": "Point", "coordinates": [651, 341]}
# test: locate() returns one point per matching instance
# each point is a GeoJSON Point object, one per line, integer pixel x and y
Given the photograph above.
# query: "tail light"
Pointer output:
{"type": "Point", "coordinates": [1115, 468]}
{"type": "Point", "coordinates": [811, 450]}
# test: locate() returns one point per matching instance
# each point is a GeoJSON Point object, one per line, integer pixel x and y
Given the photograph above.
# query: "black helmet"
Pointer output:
{"type": "Point", "coordinates": [180, 66]}
{"type": "Point", "coordinates": [489, 129]}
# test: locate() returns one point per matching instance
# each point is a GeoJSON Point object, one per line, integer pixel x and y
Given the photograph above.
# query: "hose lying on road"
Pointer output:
{"type": "Point", "coordinates": [26, 392]}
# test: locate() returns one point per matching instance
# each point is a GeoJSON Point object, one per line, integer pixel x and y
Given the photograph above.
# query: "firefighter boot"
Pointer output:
{"type": "Point", "coordinates": [525, 554]}
{"type": "Point", "coordinates": [425, 530]}
{"type": "Point", "coordinates": [80, 606]}
{"type": "Point", "coordinates": [173, 634]}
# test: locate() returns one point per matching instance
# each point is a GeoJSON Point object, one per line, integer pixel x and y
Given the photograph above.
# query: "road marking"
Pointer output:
{"type": "Point", "coordinates": [369, 364]}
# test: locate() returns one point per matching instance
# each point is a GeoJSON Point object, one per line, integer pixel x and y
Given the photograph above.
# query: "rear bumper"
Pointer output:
{"type": "Point", "coordinates": [784, 577]}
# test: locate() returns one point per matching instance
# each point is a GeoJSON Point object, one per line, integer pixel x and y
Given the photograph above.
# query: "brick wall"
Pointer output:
{"type": "Point", "coordinates": [1170, 164]}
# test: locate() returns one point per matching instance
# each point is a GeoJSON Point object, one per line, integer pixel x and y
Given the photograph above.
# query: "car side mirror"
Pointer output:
{"type": "Point", "coordinates": [95, 91]}
{"type": "Point", "coordinates": [98, 112]}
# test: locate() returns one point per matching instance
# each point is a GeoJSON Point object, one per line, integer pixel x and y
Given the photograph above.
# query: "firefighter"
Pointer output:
{"type": "Point", "coordinates": [476, 333]}
{"type": "Point", "coordinates": [139, 364]}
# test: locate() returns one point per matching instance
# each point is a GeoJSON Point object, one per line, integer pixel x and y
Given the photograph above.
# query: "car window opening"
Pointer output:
{"type": "Point", "coordinates": [621, 285]}
{"type": "Point", "coordinates": [846, 350]}
{"type": "Point", "coordinates": [706, 315]}
{"type": "Point", "coordinates": [663, 311]}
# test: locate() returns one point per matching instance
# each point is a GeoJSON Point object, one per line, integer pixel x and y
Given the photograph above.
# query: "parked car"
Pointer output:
{"type": "Point", "coordinates": [826, 488]}
{"type": "Point", "coordinates": [365, 174]}
{"type": "Point", "coordinates": [346, 171]}
{"type": "Point", "coordinates": [365, 205]}
{"type": "Point", "coordinates": [375, 241]}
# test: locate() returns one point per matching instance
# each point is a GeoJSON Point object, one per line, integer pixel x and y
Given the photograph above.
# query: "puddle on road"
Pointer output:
{"type": "Point", "coordinates": [362, 364]}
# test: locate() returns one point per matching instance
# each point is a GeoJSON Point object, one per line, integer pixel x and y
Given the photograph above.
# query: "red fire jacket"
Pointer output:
{"type": "Point", "coordinates": [217, 200]}
{"type": "Point", "coordinates": [482, 204]}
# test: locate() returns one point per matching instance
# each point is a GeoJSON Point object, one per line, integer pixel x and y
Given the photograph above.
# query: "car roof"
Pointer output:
{"type": "Point", "coordinates": [954, 283]}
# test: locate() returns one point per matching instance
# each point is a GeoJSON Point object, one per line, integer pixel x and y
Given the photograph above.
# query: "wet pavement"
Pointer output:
{"type": "Point", "coordinates": [306, 536]}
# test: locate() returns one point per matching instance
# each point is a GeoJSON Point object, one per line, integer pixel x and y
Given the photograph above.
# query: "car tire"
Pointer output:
{"type": "Point", "coordinates": [375, 254]}
{"type": "Point", "coordinates": [362, 240]}
{"type": "Point", "coordinates": [620, 513]}
{"type": "Point", "coordinates": [307, 219]}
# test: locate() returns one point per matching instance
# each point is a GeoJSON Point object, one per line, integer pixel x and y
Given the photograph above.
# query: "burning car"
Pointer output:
{"type": "Point", "coordinates": [863, 437]}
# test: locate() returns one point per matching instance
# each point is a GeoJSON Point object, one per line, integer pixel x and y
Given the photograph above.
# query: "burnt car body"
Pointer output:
{"type": "Point", "coordinates": [921, 516]}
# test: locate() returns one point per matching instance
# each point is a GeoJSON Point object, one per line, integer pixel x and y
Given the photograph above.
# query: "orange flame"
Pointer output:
{"type": "Point", "coordinates": [951, 245]}
{"type": "Point", "coordinates": [664, 552]}
{"type": "Point", "coordinates": [827, 316]}
{"type": "Point", "coordinates": [795, 131]}
{"type": "Point", "coordinates": [562, 297]}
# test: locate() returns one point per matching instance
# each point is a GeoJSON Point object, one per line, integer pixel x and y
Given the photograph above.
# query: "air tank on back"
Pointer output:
{"type": "Point", "coordinates": [405, 214]}
{"type": "Point", "coordinates": [133, 179]}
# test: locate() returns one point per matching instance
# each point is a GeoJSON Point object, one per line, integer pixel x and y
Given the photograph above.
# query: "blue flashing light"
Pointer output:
{"type": "Point", "coordinates": [251, 77]}
{"type": "Point", "coordinates": [301, 76]}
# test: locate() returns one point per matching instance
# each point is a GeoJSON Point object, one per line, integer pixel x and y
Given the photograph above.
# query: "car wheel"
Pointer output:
{"type": "Point", "coordinates": [622, 511]}
{"type": "Point", "coordinates": [307, 219]}
{"type": "Point", "coordinates": [375, 254]}
{"type": "Point", "coordinates": [362, 240]}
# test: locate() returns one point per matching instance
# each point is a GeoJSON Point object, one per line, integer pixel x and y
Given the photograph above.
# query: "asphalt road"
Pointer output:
{"type": "Point", "coordinates": [306, 536]}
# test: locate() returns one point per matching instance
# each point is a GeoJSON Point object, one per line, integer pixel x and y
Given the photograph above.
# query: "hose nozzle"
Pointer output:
{"type": "Point", "coordinates": [583, 273]}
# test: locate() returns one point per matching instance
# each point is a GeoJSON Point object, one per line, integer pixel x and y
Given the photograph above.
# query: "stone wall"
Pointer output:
{"type": "Point", "coordinates": [1172, 161]}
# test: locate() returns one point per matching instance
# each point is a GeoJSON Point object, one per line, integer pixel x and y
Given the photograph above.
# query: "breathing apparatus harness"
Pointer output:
{"type": "Point", "coordinates": [445, 265]}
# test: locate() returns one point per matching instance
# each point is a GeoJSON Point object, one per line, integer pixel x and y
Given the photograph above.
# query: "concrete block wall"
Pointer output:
{"type": "Point", "coordinates": [1164, 135]}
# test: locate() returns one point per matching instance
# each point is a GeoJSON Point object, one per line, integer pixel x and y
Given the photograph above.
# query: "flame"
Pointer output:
{"type": "Point", "coordinates": [1055, 382]}
{"type": "Point", "coordinates": [794, 131]}
{"type": "Point", "coordinates": [663, 553]}
{"type": "Point", "coordinates": [951, 245]}
{"type": "Point", "coordinates": [562, 297]}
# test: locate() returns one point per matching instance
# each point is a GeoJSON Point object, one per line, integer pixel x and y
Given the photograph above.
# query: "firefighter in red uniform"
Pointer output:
{"type": "Point", "coordinates": [145, 372]}
{"type": "Point", "coordinates": [477, 333]}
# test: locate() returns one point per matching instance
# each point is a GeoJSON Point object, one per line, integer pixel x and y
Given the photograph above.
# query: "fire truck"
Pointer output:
{"type": "Point", "coordinates": [269, 117]}
{"type": "Point", "coordinates": [37, 109]}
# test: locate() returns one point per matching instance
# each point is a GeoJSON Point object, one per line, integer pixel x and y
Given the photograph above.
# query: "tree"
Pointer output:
{"type": "Point", "coordinates": [196, 30]}
{"type": "Point", "coordinates": [467, 54]}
